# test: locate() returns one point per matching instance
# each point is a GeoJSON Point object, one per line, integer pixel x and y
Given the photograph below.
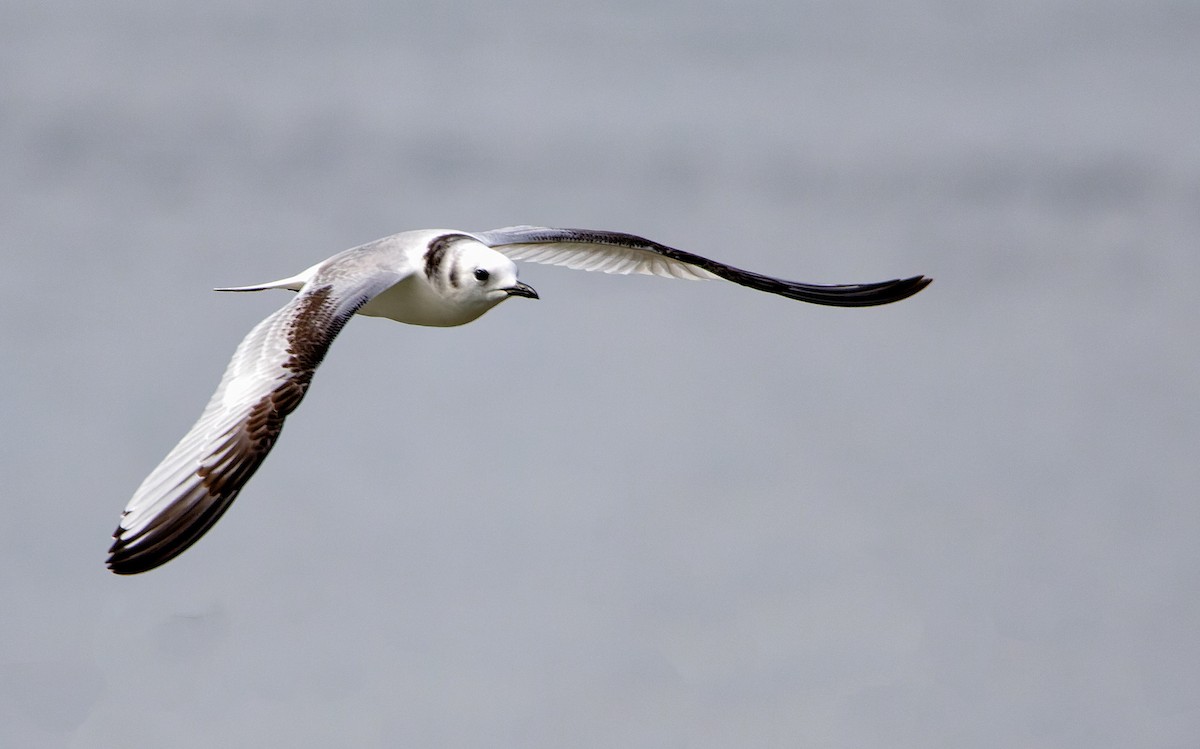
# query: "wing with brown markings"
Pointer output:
{"type": "Point", "coordinates": [266, 379]}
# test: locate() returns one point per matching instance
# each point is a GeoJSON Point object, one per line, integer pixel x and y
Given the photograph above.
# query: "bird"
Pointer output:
{"type": "Point", "coordinates": [433, 277]}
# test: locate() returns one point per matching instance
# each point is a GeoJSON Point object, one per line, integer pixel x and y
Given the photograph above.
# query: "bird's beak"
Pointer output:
{"type": "Point", "coordinates": [522, 289]}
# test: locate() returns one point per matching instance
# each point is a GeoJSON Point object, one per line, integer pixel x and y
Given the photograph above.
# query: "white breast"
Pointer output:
{"type": "Point", "coordinates": [416, 302]}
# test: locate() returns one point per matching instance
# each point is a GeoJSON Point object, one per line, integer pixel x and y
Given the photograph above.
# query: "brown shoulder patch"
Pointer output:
{"type": "Point", "coordinates": [435, 254]}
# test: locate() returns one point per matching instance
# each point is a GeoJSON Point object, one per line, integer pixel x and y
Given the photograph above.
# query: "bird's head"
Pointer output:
{"type": "Point", "coordinates": [470, 273]}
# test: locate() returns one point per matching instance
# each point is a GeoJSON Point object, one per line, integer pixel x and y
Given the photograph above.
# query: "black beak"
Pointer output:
{"type": "Point", "coordinates": [522, 289]}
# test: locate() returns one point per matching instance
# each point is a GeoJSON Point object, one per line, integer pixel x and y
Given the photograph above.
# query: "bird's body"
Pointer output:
{"type": "Point", "coordinates": [429, 287]}
{"type": "Point", "coordinates": [430, 277]}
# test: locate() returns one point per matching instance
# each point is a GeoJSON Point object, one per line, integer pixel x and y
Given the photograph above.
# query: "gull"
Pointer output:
{"type": "Point", "coordinates": [436, 277]}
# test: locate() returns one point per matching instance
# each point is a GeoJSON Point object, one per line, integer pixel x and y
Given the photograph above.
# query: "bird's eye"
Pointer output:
{"type": "Point", "coordinates": [481, 274]}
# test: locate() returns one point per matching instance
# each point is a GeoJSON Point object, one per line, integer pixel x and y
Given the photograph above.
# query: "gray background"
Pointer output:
{"type": "Point", "coordinates": [637, 513]}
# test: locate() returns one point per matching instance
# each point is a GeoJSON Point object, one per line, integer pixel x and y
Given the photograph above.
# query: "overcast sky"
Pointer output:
{"type": "Point", "coordinates": [638, 512]}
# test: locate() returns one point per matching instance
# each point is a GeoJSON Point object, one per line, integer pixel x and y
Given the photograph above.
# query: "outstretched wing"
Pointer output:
{"type": "Point", "coordinates": [265, 380]}
{"type": "Point", "coordinates": [614, 252]}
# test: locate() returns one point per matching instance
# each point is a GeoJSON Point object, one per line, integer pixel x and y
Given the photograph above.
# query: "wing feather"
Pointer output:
{"type": "Point", "coordinates": [615, 252]}
{"type": "Point", "coordinates": [265, 381]}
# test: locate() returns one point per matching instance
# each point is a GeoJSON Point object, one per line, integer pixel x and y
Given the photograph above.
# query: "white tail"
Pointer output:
{"type": "Point", "coordinates": [292, 283]}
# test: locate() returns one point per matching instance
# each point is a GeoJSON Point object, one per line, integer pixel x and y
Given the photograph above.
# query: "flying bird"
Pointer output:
{"type": "Point", "coordinates": [428, 277]}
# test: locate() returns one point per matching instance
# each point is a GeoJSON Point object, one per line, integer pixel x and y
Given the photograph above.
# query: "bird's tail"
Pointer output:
{"type": "Point", "coordinates": [292, 283]}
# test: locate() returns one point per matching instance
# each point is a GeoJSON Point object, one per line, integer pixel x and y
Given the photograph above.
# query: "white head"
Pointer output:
{"type": "Point", "coordinates": [469, 277]}
{"type": "Point", "coordinates": [471, 272]}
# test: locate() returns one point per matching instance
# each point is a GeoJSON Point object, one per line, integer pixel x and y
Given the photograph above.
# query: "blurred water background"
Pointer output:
{"type": "Point", "coordinates": [636, 513]}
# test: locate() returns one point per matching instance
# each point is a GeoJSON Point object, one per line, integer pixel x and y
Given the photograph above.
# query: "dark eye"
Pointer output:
{"type": "Point", "coordinates": [481, 274]}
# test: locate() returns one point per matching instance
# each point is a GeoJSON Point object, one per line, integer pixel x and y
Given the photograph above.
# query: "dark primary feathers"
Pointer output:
{"type": "Point", "coordinates": [616, 252]}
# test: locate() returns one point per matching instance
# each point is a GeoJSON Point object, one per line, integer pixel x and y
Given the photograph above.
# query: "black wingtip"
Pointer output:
{"type": "Point", "coordinates": [125, 561]}
{"type": "Point", "coordinates": [873, 294]}
{"type": "Point", "coordinates": [842, 295]}
{"type": "Point", "coordinates": [837, 295]}
{"type": "Point", "coordinates": [156, 547]}
{"type": "Point", "coordinates": [118, 558]}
